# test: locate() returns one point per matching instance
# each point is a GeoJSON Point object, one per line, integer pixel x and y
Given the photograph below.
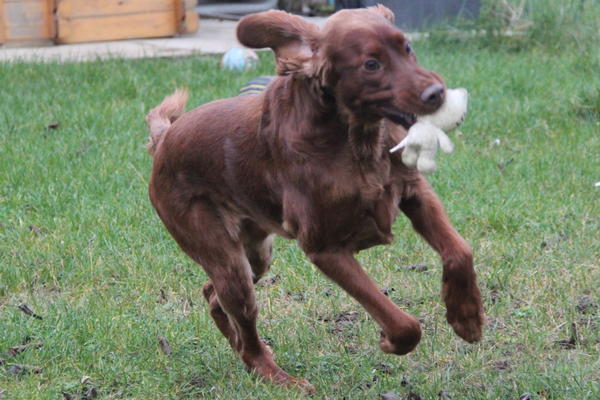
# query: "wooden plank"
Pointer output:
{"type": "Point", "coordinates": [2, 27]}
{"type": "Point", "coordinates": [100, 8]}
{"type": "Point", "coordinates": [179, 14]}
{"type": "Point", "coordinates": [115, 27]}
{"type": "Point", "coordinates": [191, 22]}
{"type": "Point", "coordinates": [26, 20]}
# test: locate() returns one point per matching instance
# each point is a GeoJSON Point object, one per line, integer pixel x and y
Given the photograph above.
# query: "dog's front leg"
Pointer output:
{"type": "Point", "coordinates": [400, 331]}
{"type": "Point", "coordinates": [459, 284]}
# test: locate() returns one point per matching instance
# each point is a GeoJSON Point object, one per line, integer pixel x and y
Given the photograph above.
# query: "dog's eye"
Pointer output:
{"type": "Point", "coordinates": [408, 48]}
{"type": "Point", "coordinates": [372, 65]}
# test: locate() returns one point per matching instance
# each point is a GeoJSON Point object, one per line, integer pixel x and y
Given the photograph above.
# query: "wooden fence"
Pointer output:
{"type": "Point", "coordinates": [76, 21]}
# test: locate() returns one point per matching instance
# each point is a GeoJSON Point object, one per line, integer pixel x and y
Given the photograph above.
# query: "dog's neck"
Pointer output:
{"type": "Point", "coordinates": [366, 141]}
{"type": "Point", "coordinates": [308, 117]}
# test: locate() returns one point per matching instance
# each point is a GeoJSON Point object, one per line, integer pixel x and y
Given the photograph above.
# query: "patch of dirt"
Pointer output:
{"type": "Point", "coordinates": [417, 267]}
{"type": "Point", "coordinates": [298, 297]}
{"type": "Point", "coordinates": [586, 304]}
{"type": "Point", "coordinates": [501, 365]}
{"type": "Point", "coordinates": [343, 323]}
{"type": "Point", "coordinates": [269, 281]}
{"type": "Point", "coordinates": [493, 296]}
{"type": "Point", "coordinates": [553, 241]}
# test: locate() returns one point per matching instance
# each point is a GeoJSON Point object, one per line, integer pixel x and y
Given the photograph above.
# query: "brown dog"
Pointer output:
{"type": "Point", "coordinates": [308, 159]}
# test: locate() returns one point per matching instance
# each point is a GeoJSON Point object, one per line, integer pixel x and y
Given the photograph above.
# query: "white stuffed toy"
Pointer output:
{"type": "Point", "coordinates": [429, 132]}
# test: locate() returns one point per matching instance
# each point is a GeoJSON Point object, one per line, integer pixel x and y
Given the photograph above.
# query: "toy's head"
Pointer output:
{"type": "Point", "coordinates": [453, 111]}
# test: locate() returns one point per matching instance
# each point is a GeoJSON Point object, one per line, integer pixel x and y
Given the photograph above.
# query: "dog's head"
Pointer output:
{"type": "Point", "coordinates": [359, 57]}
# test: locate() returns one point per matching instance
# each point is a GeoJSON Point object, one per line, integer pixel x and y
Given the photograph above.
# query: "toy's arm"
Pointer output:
{"type": "Point", "coordinates": [421, 145]}
{"type": "Point", "coordinates": [445, 144]}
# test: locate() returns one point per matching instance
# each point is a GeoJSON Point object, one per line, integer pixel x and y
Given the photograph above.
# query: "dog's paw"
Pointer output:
{"type": "Point", "coordinates": [402, 343]}
{"type": "Point", "coordinates": [304, 386]}
{"type": "Point", "coordinates": [466, 317]}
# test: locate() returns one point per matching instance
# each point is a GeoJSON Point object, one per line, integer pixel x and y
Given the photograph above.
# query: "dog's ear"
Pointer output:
{"type": "Point", "coordinates": [384, 12]}
{"type": "Point", "coordinates": [293, 39]}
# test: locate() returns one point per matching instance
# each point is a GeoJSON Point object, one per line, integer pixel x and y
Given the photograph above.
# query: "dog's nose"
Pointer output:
{"type": "Point", "coordinates": [433, 95]}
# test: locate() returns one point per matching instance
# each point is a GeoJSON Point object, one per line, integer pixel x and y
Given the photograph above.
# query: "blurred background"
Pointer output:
{"type": "Point", "coordinates": [410, 15]}
{"type": "Point", "coordinates": [46, 22]}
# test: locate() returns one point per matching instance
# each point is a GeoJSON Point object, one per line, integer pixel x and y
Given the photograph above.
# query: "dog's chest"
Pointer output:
{"type": "Point", "coordinates": [349, 205]}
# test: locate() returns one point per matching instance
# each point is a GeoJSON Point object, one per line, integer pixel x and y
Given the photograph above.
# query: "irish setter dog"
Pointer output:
{"type": "Point", "coordinates": [308, 159]}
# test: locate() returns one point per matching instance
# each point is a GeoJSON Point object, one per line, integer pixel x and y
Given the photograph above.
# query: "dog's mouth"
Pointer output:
{"type": "Point", "coordinates": [398, 116]}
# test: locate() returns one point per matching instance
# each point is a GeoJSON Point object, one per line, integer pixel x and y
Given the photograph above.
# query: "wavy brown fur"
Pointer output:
{"type": "Point", "coordinates": [160, 118]}
{"type": "Point", "coordinates": [308, 160]}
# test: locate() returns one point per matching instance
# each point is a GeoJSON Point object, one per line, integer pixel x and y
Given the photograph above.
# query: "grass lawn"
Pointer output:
{"type": "Point", "coordinates": [82, 247]}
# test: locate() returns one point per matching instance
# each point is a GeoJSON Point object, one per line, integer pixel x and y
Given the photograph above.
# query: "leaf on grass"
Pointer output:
{"type": "Point", "coordinates": [501, 365]}
{"type": "Point", "coordinates": [553, 241]}
{"type": "Point", "coordinates": [347, 318]}
{"type": "Point", "coordinates": [267, 340]}
{"type": "Point", "coordinates": [90, 393]}
{"type": "Point", "coordinates": [502, 166]}
{"type": "Point", "coordinates": [413, 396]}
{"type": "Point", "coordinates": [186, 305]}
{"type": "Point", "coordinates": [383, 368]}
{"type": "Point", "coordinates": [417, 267]}
{"type": "Point", "coordinates": [269, 280]}
{"type": "Point", "coordinates": [193, 384]}
{"type": "Point", "coordinates": [162, 299]}
{"type": "Point", "coordinates": [197, 381]}
{"type": "Point", "coordinates": [570, 343]}
{"type": "Point", "coordinates": [299, 297]}
{"type": "Point", "coordinates": [164, 346]}
{"type": "Point", "coordinates": [53, 125]}
{"type": "Point", "coordinates": [13, 351]}
{"type": "Point", "coordinates": [525, 396]}
{"type": "Point", "coordinates": [25, 308]}
{"type": "Point", "coordinates": [23, 369]}
{"type": "Point", "coordinates": [390, 396]}
{"type": "Point", "coordinates": [36, 230]}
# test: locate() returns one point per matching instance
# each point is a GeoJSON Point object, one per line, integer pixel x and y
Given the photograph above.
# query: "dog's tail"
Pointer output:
{"type": "Point", "coordinates": [160, 118]}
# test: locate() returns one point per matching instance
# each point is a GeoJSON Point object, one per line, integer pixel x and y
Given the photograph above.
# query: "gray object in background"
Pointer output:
{"type": "Point", "coordinates": [420, 14]}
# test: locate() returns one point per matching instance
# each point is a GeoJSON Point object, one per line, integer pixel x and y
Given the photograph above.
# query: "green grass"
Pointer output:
{"type": "Point", "coordinates": [81, 245]}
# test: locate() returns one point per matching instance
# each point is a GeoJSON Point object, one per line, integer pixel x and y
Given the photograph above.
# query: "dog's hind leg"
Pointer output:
{"type": "Point", "coordinates": [258, 245]}
{"type": "Point", "coordinates": [211, 240]}
{"type": "Point", "coordinates": [218, 315]}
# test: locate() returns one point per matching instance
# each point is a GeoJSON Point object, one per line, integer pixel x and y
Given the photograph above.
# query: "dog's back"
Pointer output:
{"type": "Point", "coordinates": [308, 159]}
